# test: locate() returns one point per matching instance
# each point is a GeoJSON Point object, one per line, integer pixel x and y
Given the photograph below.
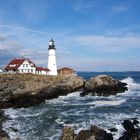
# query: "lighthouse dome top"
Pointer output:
{"type": "Point", "coordinates": [51, 44]}
{"type": "Point", "coordinates": [51, 40]}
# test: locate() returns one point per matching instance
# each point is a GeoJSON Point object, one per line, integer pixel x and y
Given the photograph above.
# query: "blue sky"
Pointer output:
{"type": "Point", "coordinates": [90, 35]}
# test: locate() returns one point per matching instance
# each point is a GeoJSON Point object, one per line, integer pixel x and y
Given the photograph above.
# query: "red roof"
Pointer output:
{"type": "Point", "coordinates": [15, 63]}
{"type": "Point", "coordinates": [42, 69]}
{"type": "Point", "coordinates": [65, 68]}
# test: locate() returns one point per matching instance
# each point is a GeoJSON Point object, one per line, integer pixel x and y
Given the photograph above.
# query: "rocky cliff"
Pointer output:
{"type": "Point", "coordinates": [17, 90]}
{"type": "Point", "coordinates": [20, 90]}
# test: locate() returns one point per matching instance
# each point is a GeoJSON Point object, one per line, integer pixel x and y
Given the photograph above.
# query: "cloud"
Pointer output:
{"type": "Point", "coordinates": [109, 44]}
{"type": "Point", "coordinates": [81, 52]}
{"type": "Point", "coordinates": [120, 8]}
{"type": "Point", "coordinates": [84, 5]}
{"type": "Point", "coordinates": [10, 48]}
{"type": "Point", "coordinates": [2, 38]}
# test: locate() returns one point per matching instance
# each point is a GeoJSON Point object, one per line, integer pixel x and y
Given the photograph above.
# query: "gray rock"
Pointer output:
{"type": "Point", "coordinates": [103, 85]}
{"type": "Point", "coordinates": [68, 134]}
{"type": "Point", "coordinates": [94, 133]}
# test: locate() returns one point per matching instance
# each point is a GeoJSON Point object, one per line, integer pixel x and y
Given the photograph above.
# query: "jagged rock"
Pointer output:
{"type": "Point", "coordinates": [103, 85]}
{"type": "Point", "coordinates": [68, 133]}
{"type": "Point", "coordinates": [94, 133]}
{"type": "Point", "coordinates": [3, 134]}
{"type": "Point", "coordinates": [20, 90]}
{"type": "Point", "coordinates": [128, 125]}
{"type": "Point", "coordinates": [135, 122]}
{"type": "Point", "coordinates": [131, 132]}
{"type": "Point", "coordinates": [113, 129]}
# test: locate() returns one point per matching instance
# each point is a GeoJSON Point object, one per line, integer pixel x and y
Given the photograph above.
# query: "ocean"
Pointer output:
{"type": "Point", "coordinates": [46, 121]}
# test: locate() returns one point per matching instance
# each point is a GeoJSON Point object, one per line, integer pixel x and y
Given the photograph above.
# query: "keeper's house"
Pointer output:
{"type": "Point", "coordinates": [24, 65]}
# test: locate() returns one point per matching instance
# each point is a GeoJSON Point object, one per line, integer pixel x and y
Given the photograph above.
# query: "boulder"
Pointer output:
{"type": "Point", "coordinates": [131, 132]}
{"type": "Point", "coordinates": [103, 85]}
{"type": "Point", "coordinates": [68, 133]}
{"type": "Point", "coordinates": [3, 134]}
{"type": "Point", "coordinates": [94, 133]}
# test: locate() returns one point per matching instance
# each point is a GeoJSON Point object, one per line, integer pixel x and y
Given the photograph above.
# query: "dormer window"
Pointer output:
{"type": "Point", "coordinates": [12, 65]}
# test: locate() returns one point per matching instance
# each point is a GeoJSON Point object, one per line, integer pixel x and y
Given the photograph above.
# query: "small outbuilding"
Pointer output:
{"type": "Point", "coordinates": [42, 71]}
{"type": "Point", "coordinates": [65, 71]}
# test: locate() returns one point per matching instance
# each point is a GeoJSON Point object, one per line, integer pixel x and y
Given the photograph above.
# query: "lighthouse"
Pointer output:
{"type": "Point", "coordinates": [52, 58]}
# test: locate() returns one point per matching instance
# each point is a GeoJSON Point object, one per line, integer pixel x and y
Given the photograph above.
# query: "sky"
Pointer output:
{"type": "Point", "coordinates": [90, 35]}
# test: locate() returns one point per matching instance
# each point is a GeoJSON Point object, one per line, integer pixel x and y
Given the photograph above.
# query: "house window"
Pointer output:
{"type": "Point", "coordinates": [26, 65]}
{"type": "Point", "coordinates": [28, 70]}
{"type": "Point", "coordinates": [23, 65]}
{"type": "Point", "coordinates": [31, 71]}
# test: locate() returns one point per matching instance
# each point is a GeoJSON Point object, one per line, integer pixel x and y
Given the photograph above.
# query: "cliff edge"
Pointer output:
{"type": "Point", "coordinates": [17, 90]}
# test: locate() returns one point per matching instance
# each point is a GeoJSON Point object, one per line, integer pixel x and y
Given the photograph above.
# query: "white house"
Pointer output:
{"type": "Point", "coordinates": [42, 71]}
{"type": "Point", "coordinates": [1, 70]}
{"type": "Point", "coordinates": [21, 65]}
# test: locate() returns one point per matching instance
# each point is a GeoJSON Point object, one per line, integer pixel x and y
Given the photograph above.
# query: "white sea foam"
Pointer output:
{"type": "Point", "coordinates": [131, 84]}
{"type": "Point", "coordinates": [120, 131]}
{"type": "Point", "coordinates": [107, 103]}
{"type": "Point", "coordinates": [128, 80]}
{"type": "Point", "coordinates": [64, 99]}
{"type": "Point", "coordinates": [13, 113]}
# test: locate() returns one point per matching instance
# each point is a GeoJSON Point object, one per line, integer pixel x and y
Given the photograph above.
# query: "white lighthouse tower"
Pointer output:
{"type": "Point", "coordinates": [52, 58]}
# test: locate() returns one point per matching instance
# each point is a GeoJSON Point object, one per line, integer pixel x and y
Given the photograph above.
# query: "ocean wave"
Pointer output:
{"type": "Point", "coordinates": [107, 103]}
{"type": "Point", "coordinates": [131, 84]}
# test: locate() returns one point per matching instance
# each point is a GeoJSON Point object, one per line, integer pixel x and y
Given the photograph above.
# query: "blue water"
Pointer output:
{"type": "Point", "coordinates": [115, 75]}
{"type": "Point", "coordinates": [46, 121]}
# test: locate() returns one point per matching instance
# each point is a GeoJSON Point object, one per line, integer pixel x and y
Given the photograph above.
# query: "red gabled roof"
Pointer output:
{"type": "Point", "coordinates": [16, 63]}
{"type": "Point", "coordinates": [42, 69]}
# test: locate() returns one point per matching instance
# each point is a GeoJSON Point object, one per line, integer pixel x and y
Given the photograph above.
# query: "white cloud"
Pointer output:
{"type": "Point", "coordinates": [2, 38]}
{"type": "Point", "coordinates": [109, 44]}
{"type": "Point", "coordinates": [84, 5]}
{"type": "Point", "coordinates": [119, 8]}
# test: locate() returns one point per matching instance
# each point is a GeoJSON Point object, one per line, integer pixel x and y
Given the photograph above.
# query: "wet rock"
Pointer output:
{"type": "Point", "coordinates": [113, 129]}
{"type": "Point", "coordinates": [103, 85]}
{"type": "Point", "coordinates": [68, 133]}
{"type": "Point", "coordinates": [100, 133]}
{"type": "Point", "coordinates": [128, 125]}
{"type": "Point", "coordinates": [131, 133]}
{"type": "Point", "coordinates": [135, 122]}
{"type": "Point", "coordinates": [94, 133]}
{"type": "Point", "coordinates": [3, 134]}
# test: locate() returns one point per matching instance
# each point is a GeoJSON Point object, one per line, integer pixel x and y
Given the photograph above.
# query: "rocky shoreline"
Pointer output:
{"type": "Point", "coordinates": [24, 90]}
{"type": "Point", "coordinates": [131, 132]}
